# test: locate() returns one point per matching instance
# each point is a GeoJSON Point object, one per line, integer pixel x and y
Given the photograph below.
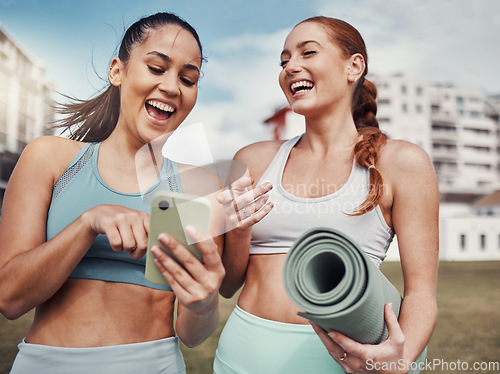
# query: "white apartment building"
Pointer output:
{"type": "Point", "coordinates": [460, 130]}
{"type": "Point", "coordinates": [450, 123]}
{"type": "Point", "coordinates": [25, 103]}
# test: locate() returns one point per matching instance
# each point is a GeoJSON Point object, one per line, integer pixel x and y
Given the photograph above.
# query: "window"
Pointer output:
{"type": "Point", "coordinates": [483, 242]}
{"type": "Point", "coordinates": [460, 100]}
{"type": "Point", "coordinates": [418, 108]}
{"type": "Point", "coordinates": [403, 89]}
{"type": "Point", "coordinates": [419, 91]}
{"type": "Point", "coordinates": [462, 242]}
{"type": "Point", "coordinates": [404, 107]}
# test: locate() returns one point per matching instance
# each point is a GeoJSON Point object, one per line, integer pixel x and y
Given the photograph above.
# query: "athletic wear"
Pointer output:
{"type": "Point", "coordinates": [158, 356]}
{"type": "Point", "coordinates": [250, 345]}
{"type": "Point", "coordinates": [81, 188]}
{"type": "Point", "coordinates": [291, 215]}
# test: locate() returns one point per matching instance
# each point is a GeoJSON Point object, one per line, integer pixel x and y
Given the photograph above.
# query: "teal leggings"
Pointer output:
{"type": "Point", "coordinates": [250, 345]}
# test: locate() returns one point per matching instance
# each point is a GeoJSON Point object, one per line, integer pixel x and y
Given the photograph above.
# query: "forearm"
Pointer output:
{"type": "Point", "coordinates": [194, 328]}
{"type": "Point", "coordinates": [417, 319]}
{"type": "Point", "coordinates": [235, 258]}
{"type": "Point", "coordinates": [33, 276]}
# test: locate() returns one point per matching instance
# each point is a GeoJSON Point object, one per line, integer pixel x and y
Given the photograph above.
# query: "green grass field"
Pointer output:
{"type": "Point", "coordinates": [468, 327]}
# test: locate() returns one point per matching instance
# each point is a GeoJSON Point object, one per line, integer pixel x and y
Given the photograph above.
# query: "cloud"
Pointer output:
{"type": "Point", "coordinates": [448, 41]}
{"type": "Point", "coordinates": [245, 68]}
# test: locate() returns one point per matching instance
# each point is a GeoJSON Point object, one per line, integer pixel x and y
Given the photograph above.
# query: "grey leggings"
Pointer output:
{"type": "Point", "coordinates": [158, 356]}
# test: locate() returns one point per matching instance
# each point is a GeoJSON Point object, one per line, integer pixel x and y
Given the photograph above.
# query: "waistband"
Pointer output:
{"type": "Point", "coordinates": [155, 356]}
{"type": "Point", "coordinates": [270, 324]}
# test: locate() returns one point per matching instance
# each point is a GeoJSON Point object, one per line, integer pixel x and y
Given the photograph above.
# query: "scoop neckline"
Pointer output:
{"type": "Point", "coordinates": [310, 199]}
{"type": "Point", "coordinates": [95, 168]}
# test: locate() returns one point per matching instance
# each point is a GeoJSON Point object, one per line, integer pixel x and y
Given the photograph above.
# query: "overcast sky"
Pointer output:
{"type": "Point", "coordinates": [445, 41]}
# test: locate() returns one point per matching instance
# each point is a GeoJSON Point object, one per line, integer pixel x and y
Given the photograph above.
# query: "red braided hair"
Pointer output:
{"type": "Point", "coordinates": [364, 109]}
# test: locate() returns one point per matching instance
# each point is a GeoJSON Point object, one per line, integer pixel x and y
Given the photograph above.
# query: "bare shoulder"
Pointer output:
{"type": "Point", "coordinates": [53, 152]}
{"type": "Point", "coordinates": [404, 163]}
{"type": "Point", "coordinates": [401, 156]}
{"type": "Point", "coordinates": [258, 156]}
{"type": "Point", "coordinates": [58, 145]}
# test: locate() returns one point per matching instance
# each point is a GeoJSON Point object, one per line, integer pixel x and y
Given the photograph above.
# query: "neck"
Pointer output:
{"type": "Point", "coordinates": [132, 156]}
{"type": "Point", "coordinates": [330, 133]}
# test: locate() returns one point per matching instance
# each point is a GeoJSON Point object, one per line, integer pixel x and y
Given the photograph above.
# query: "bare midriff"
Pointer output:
{"type": "Point", "coordinates": [264, 295]}
{"type": "Point", "coordinates": [92, 313]}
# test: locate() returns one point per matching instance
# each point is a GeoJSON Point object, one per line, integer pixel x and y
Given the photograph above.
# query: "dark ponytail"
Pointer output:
{"type": "Point", "coordinates": [364, 109]}
{"type": "Point", "coordinates": [91, 120]}
{"type": "Point", "coordinates": [95, 119]}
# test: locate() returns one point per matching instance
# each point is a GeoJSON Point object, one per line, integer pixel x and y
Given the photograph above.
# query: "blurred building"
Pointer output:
{"type": "Point", "coordinates": [455, 126]}
{"type": "Point", "coordinates": [460, 130]}
{"type": "Point", "coordinates": [25, 103]}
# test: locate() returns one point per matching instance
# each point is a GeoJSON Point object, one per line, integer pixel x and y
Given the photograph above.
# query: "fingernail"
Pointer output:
{"type": "Point", "coordinates": [190, 230]}
{"type": "Point", "coordinates": [155, 250]}
{"type": "Point", "coordinates": [164, 238]}
{"type": "Point", "coordinates": [331, 335]}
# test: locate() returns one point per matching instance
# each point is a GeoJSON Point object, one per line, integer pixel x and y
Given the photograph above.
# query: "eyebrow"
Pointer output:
{"type": "Point", "coordinates": [168, 59]}
{"type": "Point", "coordinates": [300, 45]}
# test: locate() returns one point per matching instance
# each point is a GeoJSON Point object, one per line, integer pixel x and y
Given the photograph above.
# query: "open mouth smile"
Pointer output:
{"type": "Point", "coordinates": [301, 86]}
{"type": "Point", "coordinates": [159, 110]}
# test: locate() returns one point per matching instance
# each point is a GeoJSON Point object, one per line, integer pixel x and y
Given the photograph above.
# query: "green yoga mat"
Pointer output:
{"type": "Point", "coordinates": [332, 280]}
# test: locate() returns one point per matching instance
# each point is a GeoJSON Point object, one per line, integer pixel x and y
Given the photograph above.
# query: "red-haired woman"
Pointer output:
{"type": "Point", "coordinates": [342, 173]}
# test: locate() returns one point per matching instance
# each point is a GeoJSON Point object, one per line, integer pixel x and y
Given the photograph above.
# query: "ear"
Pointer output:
{"type": "Point", "coordinates": [355, 68]}
{"type": "Point", "coordinates": [116, 69]}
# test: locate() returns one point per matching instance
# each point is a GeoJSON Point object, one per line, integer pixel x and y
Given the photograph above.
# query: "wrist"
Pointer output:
{"type": "Point", "coordinates": [86, 222]}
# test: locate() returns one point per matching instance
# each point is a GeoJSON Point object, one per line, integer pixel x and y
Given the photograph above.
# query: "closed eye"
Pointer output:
{"type": "Point", "coordinates": [309, 53]}
{"type": "Point", "coordinates": [283, 63]}
{"type": "Point", "coordinates": [156, 70]}
{"type": "Point", "coordinates": [188, 82]}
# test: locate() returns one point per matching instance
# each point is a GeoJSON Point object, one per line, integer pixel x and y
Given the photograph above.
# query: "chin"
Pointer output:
{"type": "Point", "coordinates": [303, 110]}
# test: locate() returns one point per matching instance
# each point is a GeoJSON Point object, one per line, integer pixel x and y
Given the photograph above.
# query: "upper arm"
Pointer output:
{"type": "Point", "coordinates": [415, 212]}
{"type": "Point", "coordinates": [27, 198]}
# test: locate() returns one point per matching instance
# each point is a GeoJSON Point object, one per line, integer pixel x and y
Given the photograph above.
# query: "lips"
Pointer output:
{"type": "Point", "coordinates": [301, 86]}
{"type": "Point", "coordinates": [159, 110]}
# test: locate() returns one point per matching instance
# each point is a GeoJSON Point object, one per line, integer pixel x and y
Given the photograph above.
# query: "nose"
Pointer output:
{"type": "Point", "coordinates": [169, 84]}
{"type": "Point", "coordinates": [292, 66]}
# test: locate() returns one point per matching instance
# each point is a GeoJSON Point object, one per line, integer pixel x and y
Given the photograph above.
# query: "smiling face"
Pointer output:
{"type": "Point", "coordinates": [315, 74]}
{"type": "Point", "coordinates": [159, 82]}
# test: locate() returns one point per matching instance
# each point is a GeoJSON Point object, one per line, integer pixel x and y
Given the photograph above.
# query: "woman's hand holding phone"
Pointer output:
{"type": "Point", "coordinates": [195, 283]}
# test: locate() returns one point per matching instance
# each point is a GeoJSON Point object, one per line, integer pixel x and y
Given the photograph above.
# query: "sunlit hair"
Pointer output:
{"type": "Point", "coordinates": [95, 119]}
{"type": "Point", "coordinates": [364, 108]}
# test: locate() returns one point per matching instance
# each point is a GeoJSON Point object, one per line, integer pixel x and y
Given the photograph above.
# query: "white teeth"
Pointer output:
{"type": "Point", "coordinates": [304, 84]}
{"type": "Point", "coordinates": [161, 106]}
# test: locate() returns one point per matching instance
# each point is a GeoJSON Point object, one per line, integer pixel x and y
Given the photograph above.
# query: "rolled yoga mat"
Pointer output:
{"type": "Point", "coordinates": [329, 277]}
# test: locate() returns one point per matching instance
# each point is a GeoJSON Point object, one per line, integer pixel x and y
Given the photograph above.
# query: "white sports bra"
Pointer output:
{"type": "Point", "coordinates": [291, 215]}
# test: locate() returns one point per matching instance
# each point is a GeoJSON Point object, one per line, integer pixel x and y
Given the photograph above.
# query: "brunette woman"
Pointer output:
{"type": "Point", "coordinates": [74, 226]}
